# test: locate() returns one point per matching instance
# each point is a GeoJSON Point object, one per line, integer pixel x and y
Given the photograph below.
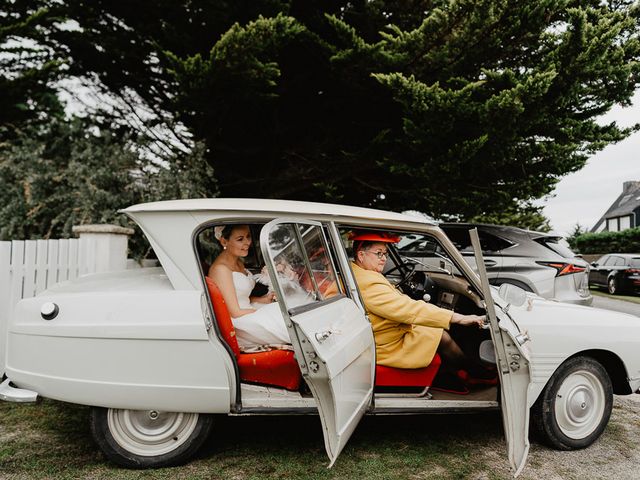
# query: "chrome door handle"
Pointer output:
{"type": "Point", "coordinates": [322, 336]}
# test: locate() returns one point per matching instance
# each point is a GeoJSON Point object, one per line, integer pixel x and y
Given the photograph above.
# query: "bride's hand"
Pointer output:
{"type": "Point", "coordinates": [268, 298]}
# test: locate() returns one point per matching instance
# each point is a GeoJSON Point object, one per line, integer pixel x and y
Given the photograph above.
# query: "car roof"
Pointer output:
{"type": "Point", "coordinates": [276, 207]}
{"type": "Point", "coordinates": [504, 228]}
{"type": "Point", "coordinates": [170, 225]}
{"type": "Point", "coordinates": [624, 255]}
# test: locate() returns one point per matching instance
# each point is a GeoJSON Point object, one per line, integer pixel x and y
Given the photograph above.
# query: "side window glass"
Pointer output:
{"type": "Point", "coordinates": [619, 261]}
{"type": "Point", "coordinates": [488, 242]}
{"type": "Point", "coordinates": [491, 243]}
{"type": "Point", "coordinates": [460, 238]}
{"type": "Point", "coordinates": [611, 261]}
{"type": "Point", "coordinates": [305, 270]}
{"type": "Point", "coordinates": [602, 260]}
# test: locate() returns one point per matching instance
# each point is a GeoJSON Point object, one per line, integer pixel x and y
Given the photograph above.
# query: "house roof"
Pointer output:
{"type": "Point", "coordinates": [625, 204]}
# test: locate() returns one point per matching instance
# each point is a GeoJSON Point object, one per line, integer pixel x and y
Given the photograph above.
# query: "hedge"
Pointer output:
{"type": "Point", "coordinates": [626, 241]}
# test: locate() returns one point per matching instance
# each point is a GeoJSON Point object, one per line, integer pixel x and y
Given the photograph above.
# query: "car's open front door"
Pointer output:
{"type": "Point", "coordinates": [513, 366]}
{"type": "Point", "coordinates": [331, 336]}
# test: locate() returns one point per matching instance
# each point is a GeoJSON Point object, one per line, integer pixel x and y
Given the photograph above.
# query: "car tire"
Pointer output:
{"type": "Point", "coordinates": [575, 405]}
{"type": "Point", "coordinates": [612, 286]}
{"type": "Point", "coordinates": [148, 438]}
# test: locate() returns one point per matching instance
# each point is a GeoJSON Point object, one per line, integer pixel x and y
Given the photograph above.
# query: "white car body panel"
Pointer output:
{"type": "Point", "coordinates": [559, 330]}
{"type": "Point", "coordinates": [145, 345]}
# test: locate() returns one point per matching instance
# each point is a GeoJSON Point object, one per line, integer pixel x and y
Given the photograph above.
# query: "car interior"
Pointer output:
{"type": "Point", "coordinates": [435, 278]}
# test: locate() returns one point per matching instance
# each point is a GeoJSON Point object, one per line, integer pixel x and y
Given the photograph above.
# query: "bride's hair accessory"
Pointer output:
{"type": "Point", "coordinates": [217, 231]}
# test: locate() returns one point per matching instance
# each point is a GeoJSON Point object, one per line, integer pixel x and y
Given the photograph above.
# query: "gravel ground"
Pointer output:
{"type": "Point", "coordinates": [616, 455]}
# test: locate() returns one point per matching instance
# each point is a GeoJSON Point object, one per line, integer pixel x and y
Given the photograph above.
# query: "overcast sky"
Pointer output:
{"type": "Point", "coordinates": [583, 197]}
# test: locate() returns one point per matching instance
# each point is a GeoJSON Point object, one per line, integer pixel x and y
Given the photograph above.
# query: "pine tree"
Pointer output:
{"type": "Point", "coordinates": [450, 107]}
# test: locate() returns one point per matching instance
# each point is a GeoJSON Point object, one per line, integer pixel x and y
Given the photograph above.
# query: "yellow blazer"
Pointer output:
{"type": "Point", "coordinates": [407, 331]}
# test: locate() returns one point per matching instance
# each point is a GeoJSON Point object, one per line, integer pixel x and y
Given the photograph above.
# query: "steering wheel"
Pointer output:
{"type": "Point", "coordinates": [408, 269]}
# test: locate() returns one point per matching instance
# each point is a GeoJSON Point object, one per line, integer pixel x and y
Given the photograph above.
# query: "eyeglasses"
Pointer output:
{"type": "Point", "coordinates": [380, 254]}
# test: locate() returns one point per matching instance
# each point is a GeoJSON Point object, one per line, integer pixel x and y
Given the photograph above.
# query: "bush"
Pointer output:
{"type": "Point", "coordinates": [626, 241]}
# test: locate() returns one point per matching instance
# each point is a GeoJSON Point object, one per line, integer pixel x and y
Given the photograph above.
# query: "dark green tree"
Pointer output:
{"type": "Point", "coordinates": [465, 108]}
{"type": "Point", "coordinates": [529, 217]}
{"type": "Point", "coordinates": [70, 173]}
{"type": "Point", "coordinates": [28, 69]}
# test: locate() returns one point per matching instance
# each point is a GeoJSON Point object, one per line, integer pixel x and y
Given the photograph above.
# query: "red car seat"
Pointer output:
{"type": "Point", "coordinates": [275, 367]}
{"type": "Point", "coordinates": [408, 377]}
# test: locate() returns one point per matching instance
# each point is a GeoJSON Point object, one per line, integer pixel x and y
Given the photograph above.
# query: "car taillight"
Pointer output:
{"type": "Point", "coordinates": [632, 270]}
{"type": "Point", "coordinates": [563, 268]}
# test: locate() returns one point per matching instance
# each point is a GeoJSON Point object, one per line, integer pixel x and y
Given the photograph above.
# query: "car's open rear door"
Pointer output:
{"type": "Point", "coordinates": [331, 336]}
{"type": "Point", "coordinates": [513, 367]}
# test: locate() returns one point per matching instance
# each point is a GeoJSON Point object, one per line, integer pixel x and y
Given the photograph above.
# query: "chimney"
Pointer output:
{"type": "Point", "coordinates": [630, 185]}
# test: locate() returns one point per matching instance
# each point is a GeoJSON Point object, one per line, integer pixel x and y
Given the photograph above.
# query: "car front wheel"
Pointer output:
{"type": "Point", "coordinates": [148, 438]}
{"type": "Point", "coordinates": [575, 406]}
{"type": "Point", "coordinates": [612, 286]}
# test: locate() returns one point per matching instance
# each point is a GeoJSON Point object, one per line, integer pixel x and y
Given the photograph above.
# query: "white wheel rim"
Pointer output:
{"type": "Point", "coordinates": [580, 404]}
{"type": "Point", "coordinates": [150, 433]}
{"type": "Point", "coordinates": [612, 285]}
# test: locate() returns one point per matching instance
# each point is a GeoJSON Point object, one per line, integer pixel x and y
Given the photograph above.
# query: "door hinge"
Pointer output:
{"type": "Point", "coordinates": [515, 364]}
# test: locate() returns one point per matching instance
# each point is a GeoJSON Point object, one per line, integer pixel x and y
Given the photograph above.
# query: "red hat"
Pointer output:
{"type": "Point", "coordinates": [364, 236]}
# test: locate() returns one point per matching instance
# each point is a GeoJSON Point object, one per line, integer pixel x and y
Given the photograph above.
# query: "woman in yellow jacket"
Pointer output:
{"type": "Point", "coordinates": [407, 332]}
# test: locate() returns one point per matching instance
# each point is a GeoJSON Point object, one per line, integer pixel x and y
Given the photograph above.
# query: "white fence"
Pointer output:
{"type": "Point", "coordinates": [28, 267]}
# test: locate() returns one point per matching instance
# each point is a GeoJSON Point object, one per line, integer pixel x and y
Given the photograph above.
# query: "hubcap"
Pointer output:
{"type": "Point", "coordinates": [612, 286]}
{"type": "Point", "coordinates": [579, 405]}
{"type": "Point", "coordinates": [150, 432]}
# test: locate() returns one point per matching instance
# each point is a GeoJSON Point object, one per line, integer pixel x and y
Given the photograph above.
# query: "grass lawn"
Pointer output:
{"type": "Point", "coordinates": [626, 298]}
{"type": "Point", "coordinates": [52, 440]}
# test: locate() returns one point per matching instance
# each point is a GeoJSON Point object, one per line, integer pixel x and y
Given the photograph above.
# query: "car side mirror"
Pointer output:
{"type": "Point", "coordinates": [512, 294]}
{"type": "Point", "coordinates": [594, 264]}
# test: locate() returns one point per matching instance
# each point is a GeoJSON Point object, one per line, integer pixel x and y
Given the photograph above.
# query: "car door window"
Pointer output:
{"type": "Point", "coordinates": [610, 262]}
{"type": "Point", "coordinates": [490, 243]}
{"type": "Point", "coordinates": [618, 261]}
{"type": "Point", "coordinates": [306, 271]}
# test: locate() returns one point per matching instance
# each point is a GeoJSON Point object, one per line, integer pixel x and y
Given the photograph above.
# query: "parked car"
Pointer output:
{"type": "Point", "coordinates": [153, 350]}
{"type": "Point", "coordinates": [536, 262]}
{"type": "Point", "coordinates": [617, 272]}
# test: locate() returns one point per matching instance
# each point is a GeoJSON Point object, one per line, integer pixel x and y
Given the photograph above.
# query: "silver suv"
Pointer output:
{"type": "Point", "coordinates": [537, 262]}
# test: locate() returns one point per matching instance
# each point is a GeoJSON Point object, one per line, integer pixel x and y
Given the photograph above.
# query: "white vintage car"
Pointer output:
{"type": "Point", "coordinates": [153, 350]}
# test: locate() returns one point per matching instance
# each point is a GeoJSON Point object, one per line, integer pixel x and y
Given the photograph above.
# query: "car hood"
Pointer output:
{"type": "Point", "coordinates": [138, 279]}
{"type": "Point", "coordinates": [539, 309]}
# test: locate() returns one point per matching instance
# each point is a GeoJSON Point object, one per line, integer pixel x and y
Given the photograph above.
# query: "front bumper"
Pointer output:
{"type": "Point", "coordinates": [9, 393]}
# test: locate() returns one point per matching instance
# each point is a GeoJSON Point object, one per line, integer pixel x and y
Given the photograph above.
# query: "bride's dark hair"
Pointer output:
{"type": "Point", "coordinates": [224, 231]}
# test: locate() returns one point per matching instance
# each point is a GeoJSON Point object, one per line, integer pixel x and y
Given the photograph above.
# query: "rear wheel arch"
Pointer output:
{"type": "Point", "coordinates": [499, 281]}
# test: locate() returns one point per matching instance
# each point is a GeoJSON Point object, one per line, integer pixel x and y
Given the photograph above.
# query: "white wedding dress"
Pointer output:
{"type": "Point", "coordinates": [262, 328]}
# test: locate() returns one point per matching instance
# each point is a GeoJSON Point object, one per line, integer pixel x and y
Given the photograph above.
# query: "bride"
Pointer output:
{"type": "Point", "coordinates": [257, 320]}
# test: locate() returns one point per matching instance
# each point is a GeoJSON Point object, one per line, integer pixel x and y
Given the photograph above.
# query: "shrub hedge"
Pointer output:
{"type": "Point", "coordinates": [626, 241]}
